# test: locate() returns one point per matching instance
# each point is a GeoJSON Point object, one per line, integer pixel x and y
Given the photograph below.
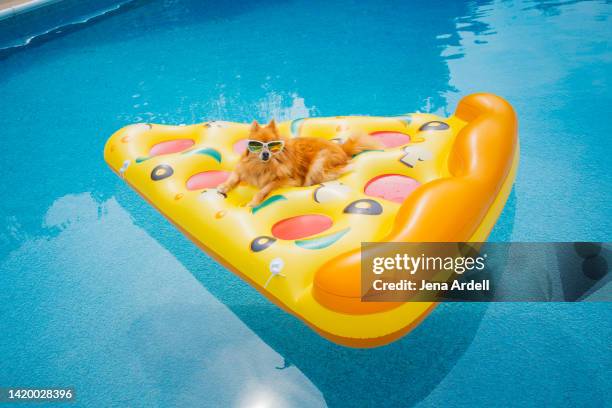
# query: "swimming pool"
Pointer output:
{"type": "Point", "coordinates": [99, 292]}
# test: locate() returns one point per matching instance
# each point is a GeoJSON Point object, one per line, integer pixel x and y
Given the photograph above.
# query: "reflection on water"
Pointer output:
{"type": "Point", "coordinates": [124, 302]}
{"type": "Point", "coordinates": [108, 306]}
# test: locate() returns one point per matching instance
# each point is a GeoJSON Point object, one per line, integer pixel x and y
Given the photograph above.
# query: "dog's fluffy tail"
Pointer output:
{"type": "Point", "coordinates": [359, 142]}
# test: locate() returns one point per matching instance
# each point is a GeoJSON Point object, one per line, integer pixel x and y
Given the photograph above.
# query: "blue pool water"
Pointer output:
{"type": "Point", "coordinates": [99, 292]}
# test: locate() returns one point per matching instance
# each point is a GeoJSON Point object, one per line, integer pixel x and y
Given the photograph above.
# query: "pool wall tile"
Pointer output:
{"type": "Point", "coordinates": [21, 23]}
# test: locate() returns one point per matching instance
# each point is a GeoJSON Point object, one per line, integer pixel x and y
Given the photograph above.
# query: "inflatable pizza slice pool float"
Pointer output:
{"type": "Point", "coordinates": [436, 180]}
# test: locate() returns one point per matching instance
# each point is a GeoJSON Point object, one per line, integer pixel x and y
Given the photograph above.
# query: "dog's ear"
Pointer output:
{"type": "Point", "coordinates": [254, 126]}
{"type": "Point", "coordinates": [272, 125]}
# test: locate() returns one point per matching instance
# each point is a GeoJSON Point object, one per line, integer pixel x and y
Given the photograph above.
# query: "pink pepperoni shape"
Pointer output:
{"type": "Point", "coordinates": [206, 179]}
{"type": "Point", "coordinates": [391, 139]}
{"type": "Point", "coordinates": [301, 226]}
{"type": "Point", "coordinates": [171, 146]}
{"type": "Point", "coordinates": [392, 187]}
{"type": "Point", "coordinates": [240, 146]}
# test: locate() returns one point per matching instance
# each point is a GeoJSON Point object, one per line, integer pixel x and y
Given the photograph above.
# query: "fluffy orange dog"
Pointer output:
{"type": "Point", "coordinates": [272, 161]}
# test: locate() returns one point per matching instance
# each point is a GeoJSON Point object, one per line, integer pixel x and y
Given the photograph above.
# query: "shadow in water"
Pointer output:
{"type": "Point", "coordinates": [401, 373]}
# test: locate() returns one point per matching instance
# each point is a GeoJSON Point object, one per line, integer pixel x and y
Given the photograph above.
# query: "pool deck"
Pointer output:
{"type": "Point", "coordinates": [10, 8]}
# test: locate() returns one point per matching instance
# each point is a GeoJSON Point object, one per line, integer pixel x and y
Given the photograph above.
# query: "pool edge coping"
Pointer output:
{"type": "Point", "coordinates": [13, 11]}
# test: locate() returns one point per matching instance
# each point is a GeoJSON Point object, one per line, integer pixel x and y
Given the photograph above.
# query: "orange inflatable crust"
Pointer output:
{"type": "Point", "coordinates": [444, 210]}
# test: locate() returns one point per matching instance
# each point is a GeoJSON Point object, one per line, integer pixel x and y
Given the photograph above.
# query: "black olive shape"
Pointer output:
{"type": "Point", "coordinates": [161, 172]}
{"type": "Point", "coordinates": [365, 207]}
{"type": "Point", "coordinates": [261, 243]}
{"type": "Point", "coordinates": [434, 125]}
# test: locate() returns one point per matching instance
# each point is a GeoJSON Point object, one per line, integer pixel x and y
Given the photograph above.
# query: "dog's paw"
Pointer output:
{"type": "Point", "coordinates": [222, 189]}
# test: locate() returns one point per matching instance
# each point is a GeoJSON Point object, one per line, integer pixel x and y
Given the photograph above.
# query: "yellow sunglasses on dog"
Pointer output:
{"type": "Point", "coordinates": [274, 146]}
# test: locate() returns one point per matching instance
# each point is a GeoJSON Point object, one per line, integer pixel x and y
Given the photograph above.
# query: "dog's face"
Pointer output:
{"type": "Point", "coordinates": [264, 141]}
